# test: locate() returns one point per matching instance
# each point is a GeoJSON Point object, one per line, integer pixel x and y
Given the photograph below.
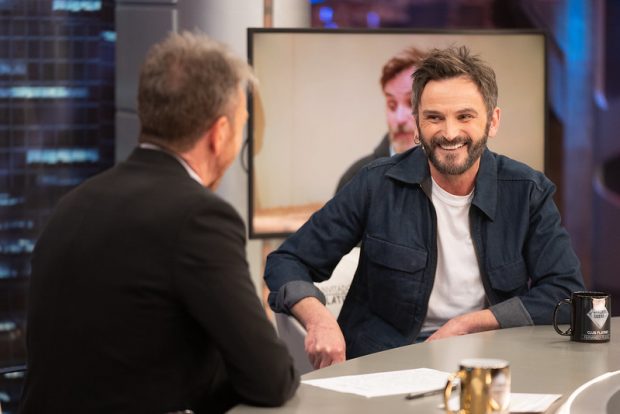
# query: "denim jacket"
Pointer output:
{"type": "Point", "coordinates": [526, 260]}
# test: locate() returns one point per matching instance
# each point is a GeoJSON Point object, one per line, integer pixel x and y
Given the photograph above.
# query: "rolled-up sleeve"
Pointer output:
{"type": "Point", "coordinates": [311, 254]}
{"type": "Point", "coordinates": [291, 293]}
{"type": "Point", "coordinates": [511, 313]}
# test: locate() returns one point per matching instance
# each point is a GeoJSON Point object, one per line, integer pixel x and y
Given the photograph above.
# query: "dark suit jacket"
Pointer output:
{"type": "Point", "coordinates": [382, 150]}
{"type": "Point", "coordinates": [141, 301]}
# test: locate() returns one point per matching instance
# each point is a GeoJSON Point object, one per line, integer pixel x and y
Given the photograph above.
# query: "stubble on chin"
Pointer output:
{"type": "Point", "coordinates": [448, 165]}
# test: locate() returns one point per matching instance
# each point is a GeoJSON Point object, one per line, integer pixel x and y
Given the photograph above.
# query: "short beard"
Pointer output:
{"type": "Point", "coordinates": [474, 151]}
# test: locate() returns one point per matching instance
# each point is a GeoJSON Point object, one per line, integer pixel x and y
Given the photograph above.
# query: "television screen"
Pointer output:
{"type": "Point", "coordinates": [319, 107]}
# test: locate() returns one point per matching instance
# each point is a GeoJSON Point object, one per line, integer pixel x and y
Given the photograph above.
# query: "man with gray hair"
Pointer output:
{"type": "Point", "coordinates": [140, 296]}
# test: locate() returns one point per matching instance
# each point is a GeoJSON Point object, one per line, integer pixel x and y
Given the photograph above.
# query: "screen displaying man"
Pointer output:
{"type": "Point", "coordinates": [402, 132]}
{"type": "Point", "coordinates": [454, 238]}
{"type": "Point", "coordinates": [141, 299]}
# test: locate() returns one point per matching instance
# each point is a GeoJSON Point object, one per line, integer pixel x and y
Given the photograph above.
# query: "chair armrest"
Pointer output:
{"type": "Point", "coordinates": [293, 335]}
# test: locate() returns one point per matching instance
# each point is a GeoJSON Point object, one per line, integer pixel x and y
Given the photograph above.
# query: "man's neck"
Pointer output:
{"type": "Point", "coordinates": [193, 160]}
{"type": "Point", "coordinates": [199, 164]}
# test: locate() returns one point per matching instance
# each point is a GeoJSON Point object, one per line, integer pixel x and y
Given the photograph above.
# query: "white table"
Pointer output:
{"type": "Point", "coordinates": [541, 361]}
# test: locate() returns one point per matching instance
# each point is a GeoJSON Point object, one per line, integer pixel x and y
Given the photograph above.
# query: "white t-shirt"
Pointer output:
{"type": "Point", "coordinates": [458, 287]}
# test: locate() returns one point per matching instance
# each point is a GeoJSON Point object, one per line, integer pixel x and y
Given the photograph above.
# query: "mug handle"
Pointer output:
{"type": "Point", "coordinates": [569, 331]}
{"type": "Point", "coordinates": [447, 392]}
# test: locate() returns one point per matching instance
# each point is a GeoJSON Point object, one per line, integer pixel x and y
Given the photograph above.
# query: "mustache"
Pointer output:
{"type": "Point", "coordinates": [442, 140]}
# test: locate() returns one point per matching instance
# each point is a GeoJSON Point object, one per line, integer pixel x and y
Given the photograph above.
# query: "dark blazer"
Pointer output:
{"type": "Point", "coordinates": [382, 150]}
{"type": "Point", "coordinates": [141, 301]}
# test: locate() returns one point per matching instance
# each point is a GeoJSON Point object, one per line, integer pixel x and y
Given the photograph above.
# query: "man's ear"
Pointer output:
{"type": "Point", "coordinates": [218, 135]}
{"type": "Point", "coordinates": [494, 125]}
{"type": "Point", "coordinates": [416, 133]}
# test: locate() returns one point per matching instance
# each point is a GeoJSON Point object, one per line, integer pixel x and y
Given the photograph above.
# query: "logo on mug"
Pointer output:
{"type": "Point", "coordinates": [598, 314]}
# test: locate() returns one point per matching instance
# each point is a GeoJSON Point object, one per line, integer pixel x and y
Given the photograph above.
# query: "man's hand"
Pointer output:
{"type": "Point", "coordinates": [478, 321]}
{"type": "Point", "coordinates": [324, 342]}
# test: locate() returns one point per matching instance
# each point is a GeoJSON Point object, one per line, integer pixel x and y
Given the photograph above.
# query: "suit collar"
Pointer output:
{"type": "Point", "coordinates": [188, 168]}
{"type": "Point", "coordinates": [155, 158]}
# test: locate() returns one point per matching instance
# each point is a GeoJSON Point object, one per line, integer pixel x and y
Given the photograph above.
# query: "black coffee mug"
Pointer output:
{"type": "Point", "coordinates": [590, 317]}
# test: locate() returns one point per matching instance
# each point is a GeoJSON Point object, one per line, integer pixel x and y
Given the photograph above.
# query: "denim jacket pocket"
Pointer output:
{"type": "Point", "coordinates": [509, 277]}
{"type": "Point", "coordinates": [394, 273]}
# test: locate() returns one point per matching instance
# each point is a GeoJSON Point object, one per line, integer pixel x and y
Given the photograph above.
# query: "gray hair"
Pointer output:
{"type": "Point", "coordinates": [451, 63]}
{"type": "Point", "coordinates": [187, 82]}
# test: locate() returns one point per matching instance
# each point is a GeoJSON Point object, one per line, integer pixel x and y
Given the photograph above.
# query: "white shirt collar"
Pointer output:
{"type": "Point", "coordinates": [190, 171]}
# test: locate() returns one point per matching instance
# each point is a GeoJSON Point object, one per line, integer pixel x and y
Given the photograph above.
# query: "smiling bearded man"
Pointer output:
{"type": "Point", "coordinates": [455, 239]}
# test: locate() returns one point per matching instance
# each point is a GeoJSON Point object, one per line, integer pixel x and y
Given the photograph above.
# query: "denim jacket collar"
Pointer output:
{"type": "Point", "coordinates": [412, 167]}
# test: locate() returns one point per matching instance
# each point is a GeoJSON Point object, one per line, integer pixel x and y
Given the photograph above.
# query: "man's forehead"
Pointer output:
{"type": "Point", "coordinates": [453, 90]}
{"type": "Point", "coordinates": [398, 87]}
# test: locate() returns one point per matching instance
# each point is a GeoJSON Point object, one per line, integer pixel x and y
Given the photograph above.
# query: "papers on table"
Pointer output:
{"type": "Point", "coordinates": [531, 403]}
{"type": "Point", "coordinates": [420, 380]}
{"type": "Point", "coordinates": [385, 383]}
{"type": "Point", "coordinates": [519, 402]}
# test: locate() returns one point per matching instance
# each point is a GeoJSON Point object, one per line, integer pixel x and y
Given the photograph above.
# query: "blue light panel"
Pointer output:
{"type": "Point", "coordinates": [76, 5]}
{"type": "Point", "coordinates": [61, 155]}
{"type": "Point", "coordinates": [43, 92]}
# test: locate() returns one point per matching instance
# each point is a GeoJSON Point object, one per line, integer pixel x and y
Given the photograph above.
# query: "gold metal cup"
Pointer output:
{"type": "Point", "coordinates": [485, 386]}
